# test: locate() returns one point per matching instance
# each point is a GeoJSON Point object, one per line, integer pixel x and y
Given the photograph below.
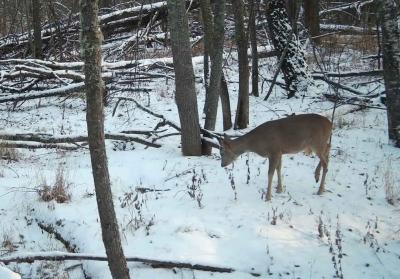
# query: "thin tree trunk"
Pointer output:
{"type": "Point", "coordinates": [226, 105]}
{"type": "Point", "coordinates": [214, 40]}
{"type": "Point", "coordinates": [185, 94]}
{"type": "Point", "coordinates": [391, 66]}
{"type": "Point", "coordinates": [37, 29]}
{"type": "Point", "coordinates": [311, 18]}
{"type": "Point", "coordinates": [242, 112]}
{"type": "Point", "coordinates": [91, 38]}
{"type": "Point", "coordinates": [294, 66]}
{"type": "Point", "coordinates": [254, 52]}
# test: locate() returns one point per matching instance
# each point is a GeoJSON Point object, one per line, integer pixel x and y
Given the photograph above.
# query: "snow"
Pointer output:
{"type": "Point", "coordinates": [361, 230]}
{"type": "Point", "coordinates": [8, 274]}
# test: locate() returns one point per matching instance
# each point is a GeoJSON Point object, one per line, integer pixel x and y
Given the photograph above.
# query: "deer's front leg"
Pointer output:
{"type": "Point", "coordinates": [273, 163]}
{"type": "Point", "coordinates": [279, 189]}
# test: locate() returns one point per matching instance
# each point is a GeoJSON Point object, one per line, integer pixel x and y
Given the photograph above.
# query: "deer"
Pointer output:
{"type": "Point", "coordinates": [290, 135]}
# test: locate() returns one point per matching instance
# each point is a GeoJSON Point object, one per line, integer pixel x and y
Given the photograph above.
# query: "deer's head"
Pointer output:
{"type": "Point", "coordinates": [226, 152]}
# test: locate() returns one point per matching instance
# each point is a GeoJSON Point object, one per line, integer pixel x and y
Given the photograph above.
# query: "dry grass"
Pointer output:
{"type": "Point", "coordinates": [58, 191]}
{"type": "Point", "coordinates": [9, 154]}
{"type": "Point", "coordinates": [8, 243]}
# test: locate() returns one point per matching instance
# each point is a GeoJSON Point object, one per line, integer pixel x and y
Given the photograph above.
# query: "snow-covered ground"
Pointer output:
{"type": "Point", "coordinates": [200, 212]}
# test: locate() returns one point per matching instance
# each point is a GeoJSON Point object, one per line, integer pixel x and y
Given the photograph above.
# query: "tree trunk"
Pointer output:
{"type": "Point", "coordinates": [254, 52]}
{"type": "Point", "coordinates": [91, 38]}
{"type": "Point", "coordinates": [37, 29]}
{"type": "Point", "coordinates": [242, 112]}
{"type": "Point", "coordinates": [214, 42]}
{"type": "Point", "coordinates": [226, 105]}
{"type": "Point", "coordinates": [391, 66]}
{"type": "Point", "coordinates": [185, 94]}
{"type": "Point", "coordinates": [294, 66]}
{"type": "Point", "coordinates": [311, 17]}
{"type": "Point", "coordinates": [291, 8]}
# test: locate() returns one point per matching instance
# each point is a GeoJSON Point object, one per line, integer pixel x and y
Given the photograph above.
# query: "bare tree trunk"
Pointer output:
{"type": "Point", "coordinates": [254, 52]}
{"type": "Point", "coordinates": [294, 66]}
{"type": "Point", "coordinates": [185, 94]}
{"type": "Point", "coordinates": [37, 29]}
{"type": "Point", "coordinates": [226, 105]}
{"type": "Point", "coordinates": [91, 38]}
{"type": "Point", "coordinates": [391, 66]}
{"type": "Point", "coordinates": [214, 42]}
{"type": "Point", "coordinates": [311, 17]}
{"type": "Point", "coordinates": [291, 8]}
{"type": "Point", "coordinates": [242, 112]}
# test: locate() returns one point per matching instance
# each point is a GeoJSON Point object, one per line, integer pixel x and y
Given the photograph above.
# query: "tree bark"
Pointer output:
{"type": "Point", "coordinates": [391, 65]}
{"type": "Point", "coordinates": [242, 112]}
{"type": "Point", "coordinates": [91, 38]}
{"type": "Point", "coordinates": [185, 94]}
{"type": "Point", "coordinates": [214, 42]}
{"type": "Point", "coordinates": [311, 18]}
{"type": "Point", "coordinates": [254, 52]}
{"type": "Point", "coordinates": [294, 66]}
{"type": "Point", "coordinates": [226, 105]}
{"type": "Point", "coordinates": [37, 29]}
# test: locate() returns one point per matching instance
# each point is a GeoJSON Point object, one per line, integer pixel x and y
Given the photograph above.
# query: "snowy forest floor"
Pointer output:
{"type": "Point", "coordinates": [200, 212]}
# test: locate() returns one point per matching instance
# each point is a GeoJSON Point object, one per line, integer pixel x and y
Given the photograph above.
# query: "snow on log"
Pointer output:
{"type": "Point", "coordinates": [63, 256]}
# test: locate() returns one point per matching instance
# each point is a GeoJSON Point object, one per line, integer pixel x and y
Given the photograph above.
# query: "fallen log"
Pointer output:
{"type": "Point", "coordinates": [50, 139]}
{"type": "Point", "coordinates": [63, 256]}
{"type": "Point", "coordinates": [66, 90]}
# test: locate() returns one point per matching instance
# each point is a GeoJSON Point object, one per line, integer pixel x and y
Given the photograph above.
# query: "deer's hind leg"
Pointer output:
{"type": "Point", "coordinates": [324, 161]}
{"type": "Point", "coordinates": [279, 189]}
{"type": "Point", "coordinates": [273, 164]}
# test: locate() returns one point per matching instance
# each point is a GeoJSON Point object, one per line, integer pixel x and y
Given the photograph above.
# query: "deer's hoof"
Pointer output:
{"type": "Point", "coordinates": [320, 192]}
{"type": "Point", "coordinates": [279, 190]}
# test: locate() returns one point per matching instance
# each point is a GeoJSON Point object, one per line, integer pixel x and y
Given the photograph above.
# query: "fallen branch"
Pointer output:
{"type": "Point", "coordinates": [338, 85]}
{"type": "Point", "coordinates": [66, 90]}
{"type": "Point", "coordinates": [165, 121]}
{"type": "Point", "coordinates": [351, 74]}
{"type": "Point", "coordinates": [357, 6]}
{"type": "Point", "coordinates": [52, 231]}
{"type": "Point", "coordinates": [52, 140]}
{"type": "Point", "coordinates": [35, 145]}
{"type": "Point", "coordinates": [61, 256]}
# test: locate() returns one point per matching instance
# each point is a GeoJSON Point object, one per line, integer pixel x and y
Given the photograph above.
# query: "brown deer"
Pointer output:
{"type": "Point", "coordinates": [293, 134]}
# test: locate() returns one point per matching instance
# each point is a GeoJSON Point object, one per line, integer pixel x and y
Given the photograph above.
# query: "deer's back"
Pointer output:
{"type": "Point", "coordinates": [291, 134]}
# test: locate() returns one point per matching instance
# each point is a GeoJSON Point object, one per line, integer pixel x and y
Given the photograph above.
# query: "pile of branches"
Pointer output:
{"type": "Point", "coordinates": [26, 79]}
{"type": "Point", "coordinates": [122, 29]}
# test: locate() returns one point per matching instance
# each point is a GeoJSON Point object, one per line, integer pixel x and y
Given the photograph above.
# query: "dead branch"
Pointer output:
{"type": "Point", "coordinates": [338, 85]}
{"type": "Point", "coordinates": [170, 123]}
{"type": "Point", "coordinates": [66, 90]}
{"type": "Point", "coordinates": [356, 6]}
{"type": "Point", "coordinates": [35, 145]}
{"type": "Point", "coordinates": [52, 231]}
{"type": "Point", "coordinates": [352, 74]}
{"type": "Point", "coordinates": [61, 256]}
{"type": "Point", "coordinates": [50, 139]}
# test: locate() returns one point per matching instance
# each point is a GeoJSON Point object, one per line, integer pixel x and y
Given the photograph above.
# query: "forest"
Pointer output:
{"type": "Point", "coordinates": [199, 139]}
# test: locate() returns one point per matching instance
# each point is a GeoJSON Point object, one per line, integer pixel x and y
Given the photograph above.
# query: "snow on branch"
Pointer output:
{"type": "Point", "coordinates": [63, 256]}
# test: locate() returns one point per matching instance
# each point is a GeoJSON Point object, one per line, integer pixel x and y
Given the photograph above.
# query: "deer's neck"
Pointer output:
{"type": "Point", "coordinates": [242, 144]}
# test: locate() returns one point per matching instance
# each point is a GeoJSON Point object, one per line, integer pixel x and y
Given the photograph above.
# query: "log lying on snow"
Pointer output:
{"type": "Point", "coordinates": [62, 256]}
{"type": "Point", "coordinates": [51, 141]}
